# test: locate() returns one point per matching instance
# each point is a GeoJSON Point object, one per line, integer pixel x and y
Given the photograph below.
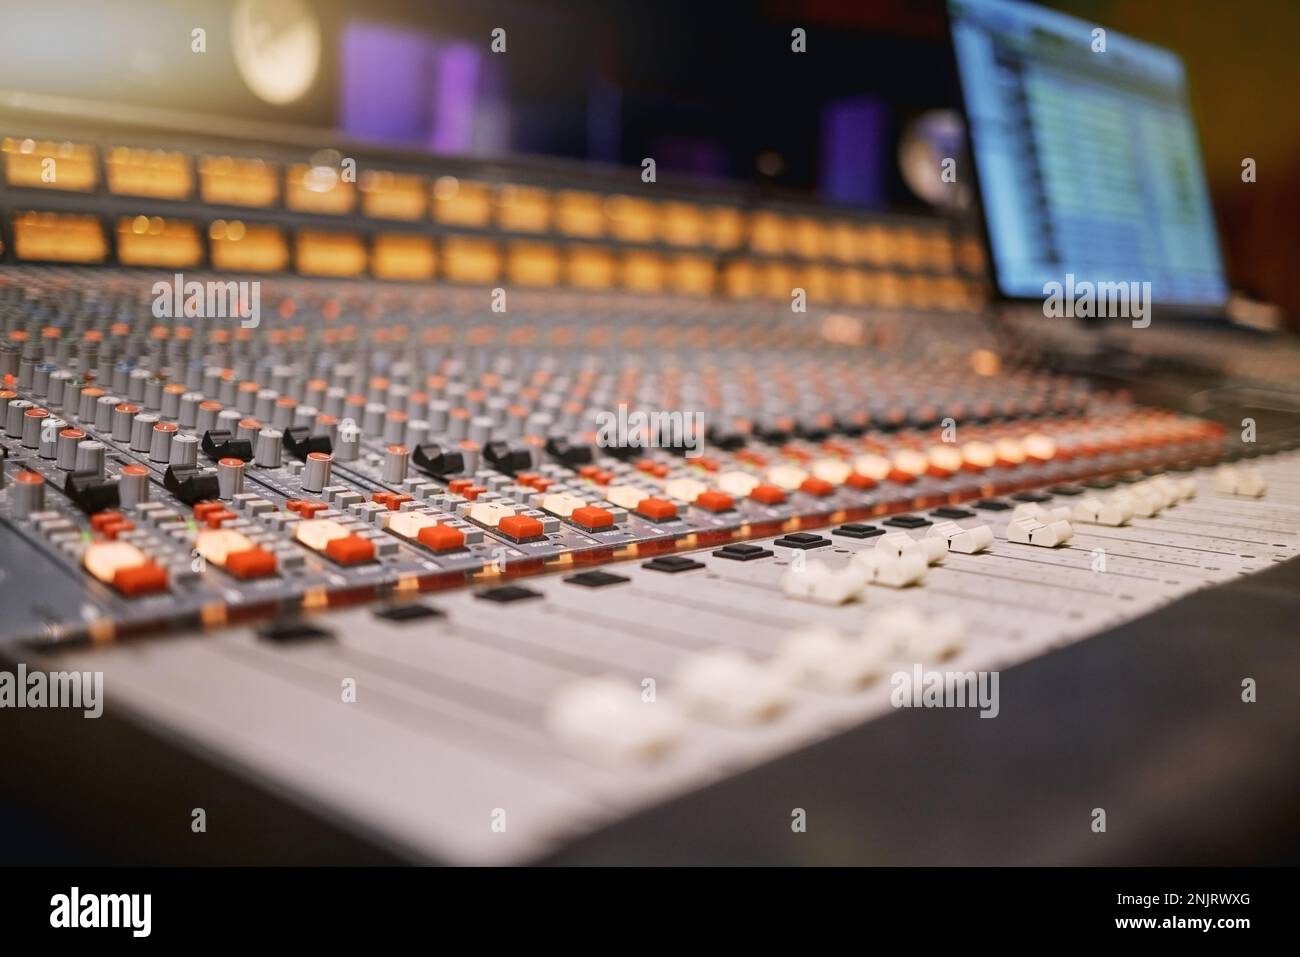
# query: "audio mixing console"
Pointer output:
{"type": "Point", "coordinates": [376, 556]}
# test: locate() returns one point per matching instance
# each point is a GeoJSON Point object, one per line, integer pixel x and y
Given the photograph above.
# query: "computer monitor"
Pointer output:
{"type": "Point", "coordinates": [1086, 156]}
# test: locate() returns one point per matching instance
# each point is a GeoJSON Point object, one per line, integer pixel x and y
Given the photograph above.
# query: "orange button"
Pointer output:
{"type": "Point", "coordinates": [767, 494]}
{"type": "Point", "coordinates": [100, 519]}
{"type": "Point", "coordinates": [255, 562]}
{"type": "Point", "coordinates": [441, 538]}
{"type": "Point", "coordinates": [352, 550]}
{"type": "Point", "coordinates": [214, 519]}
{"type": "Point", "coordinates": [858, 480]}
{"type": "Point", "coordinates": [203, 509]}
{"type": "Point", "coordinates": [140, 579]}
{"type": "Point", "coordinates": [114, 529]}
{"type": "Point", "coordinates": [520, 526]}
{"type": "Point", "coordinates": [589, 516]}
{"type": "Point", "coordinates": [715, 501]}
{"type": "Point", "coordinates": [816, 486]}
{"type": "Point", "coordinates": [458, 486]}
{"type": "Point", "coordinates": [901, 477]}
{"type": "Point", "coordinates": [391, 500]}
{"type": "Point", "coordinates": [656, 509]}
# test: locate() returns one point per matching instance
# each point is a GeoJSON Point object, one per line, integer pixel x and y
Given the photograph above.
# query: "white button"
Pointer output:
{"type": "Point", "coordinates": [872, 465]}
{"type": "Point", "coordinates": [625, 496]}
{"type": "Point", "coordinates": [788, 477]}
{"type": "Point", "coordinates": [489, 513]}
{"type": "Point", "coordinates": [562, 504]}
{"type": "Point", "coordinates": [686, 489]}
{"type": "Point", "coordinates": [607, 719]}
{"type": "Point", "coordinates": [830, 470]}
{"type": "Point", "coordinates": [726, 686]}
{"type": "Point", "coordinates": [738, 484]}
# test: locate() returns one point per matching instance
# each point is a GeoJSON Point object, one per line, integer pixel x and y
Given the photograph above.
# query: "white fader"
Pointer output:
{"type": "Point", "coordinates": [1244, 480]}
{"type": "Point", "coordinates": [966, 541]}
{"type": "Point", "coordinates": [726, 686]}
{"type": "Point", "coordinates": [608, 719]}
{"type": "Point", "coordinates": [1044, 529]}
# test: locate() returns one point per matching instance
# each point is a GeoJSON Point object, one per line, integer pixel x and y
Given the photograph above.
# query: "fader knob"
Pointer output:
{"type": "Point", "coordinates": [133, 485]}
{"type": "Point", "coordinates": [396, 458]}
{"type": "Point", "coordinates": [28, 493]}
{"type": "Point", "coordinates": [316, 471]}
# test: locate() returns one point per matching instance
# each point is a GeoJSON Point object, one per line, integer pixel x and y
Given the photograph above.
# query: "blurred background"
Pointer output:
{"type": "Point", "coordinates": [708, 90]}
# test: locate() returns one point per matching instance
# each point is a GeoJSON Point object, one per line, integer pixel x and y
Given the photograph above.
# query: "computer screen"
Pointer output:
{"type": "Point", "coordinates": [1086, 154]}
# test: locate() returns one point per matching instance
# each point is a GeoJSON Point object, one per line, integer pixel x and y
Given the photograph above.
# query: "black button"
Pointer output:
{"type": "Point", "coordinates": [802, 540]}
{"type": "Point", "coordinates": [907, 521]}
{"type": "Point", "coordinates": [508, 593]}
{"type": "Point", "coordinates": [291, 631]}
{"type": "Point", "coordinates": [946, 512]}
{"type": "Point", "coordinates": [1032, 497]}
{"type": "Point", "coordinates": [1100, 483]}
{"type": "Point", "coordinates": [1132, 478]}
{"type": "Point", "coordinates": [409, 611]}
{"type": "Point", "coordinates": [1065, 490]}
{"type": "Point", "coordinates": [672, 564]}
{"type": "Point", "coordinates": [858, 530]}
{"type": "Point", "coordinates": [743, 552]}
{"type": "Point", "coordinates": [992, 505]}
{"type": "Point", "coordinates": [595, 579]}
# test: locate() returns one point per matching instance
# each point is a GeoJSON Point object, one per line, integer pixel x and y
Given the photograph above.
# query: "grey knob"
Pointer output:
{"type": "Point", "coordinates": [269, 445]}
{"type": "Point", "coordinates": [133, 485]}
{"type": "Point", "coordinates": [90, 457]}
{"type": "Point", "coordinates": [230, 477]}
{"type": "Point", "coordinates": [28, 494]}
{"type": "Point", "coordinates": [316, 471]}
{"type": "Point", "coordinates": [185, 450]}
{"type": "Point", "coordinates": [396, 458]}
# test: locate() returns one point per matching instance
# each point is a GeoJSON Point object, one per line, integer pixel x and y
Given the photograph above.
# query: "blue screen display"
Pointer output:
{"type": "Point", "coordinates": [1087, 157]}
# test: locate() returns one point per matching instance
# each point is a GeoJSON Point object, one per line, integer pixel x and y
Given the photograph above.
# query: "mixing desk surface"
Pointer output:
{"type": "Point", "coordinates": [413, 566]}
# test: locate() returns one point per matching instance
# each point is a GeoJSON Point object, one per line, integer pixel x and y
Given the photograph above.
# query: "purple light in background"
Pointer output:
{"type": "Point", "coordinates": [853, 144]}
{"type": "Point", "coordinates": [386, 78]}
{"type": "Point", "coordinates": [689, 154]}
{"type": "Point", "coordinates": [458, 68]}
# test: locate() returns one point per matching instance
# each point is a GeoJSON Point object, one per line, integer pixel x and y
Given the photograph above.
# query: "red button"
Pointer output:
{"type": "Point", "coordinates": [520, 526]}
{"type": "Point", "coordinates": [656, 509]}
{"type": "Point", "coordinates": [214, 519]}
{"type": "Point", "coordinates": [140, 579]}
{"type": "Point", "coordinates": [441, 538]}
{"type": "Point", "coordinates": [100, 519]}
{"type": "Point", "coordinates": [589, 516]}
{"type": "Point", "coordinates": [255, 562]}
{"type": "Point", "coordinates": [715, 501]}
{"type": "Point", "coordinates": [816, 486]}
{"type": "Point", "coordinates": [767, 494]}
{"type": "Point", "coordinates": [352, 550]}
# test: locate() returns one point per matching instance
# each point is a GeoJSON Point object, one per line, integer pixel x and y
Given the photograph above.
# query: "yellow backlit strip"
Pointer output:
{"type": "Point", "coordinates": [318, 189]}
{"type": "Point", "coordinates": [45, 164]}
{"type": "Point", "coordinates": [154, 241]}
{"type": "Point", "coordinates": [59, 237]}
{"type": "Point", "coordinates": [402, 256]}
{"type": "Point", "coordinates": [523, 209]}
{"type": "Point", "coordinates": [235, 181]}
{"type": "Point", "coordinates": [458, 202]}
{"type": "Point", "coordinates": [580, 213]}
{"type": "Point", "coordinates": [253, 247]}
{"type": "Point", "coordinates": [533, 264]}
{"type": "Point", "coordinates": [329, 254]}
{"type": "Point", "coordinates": [392, 195]}
{"type": "Point", "coordinates": [160, 173]}
{"type": "Point", "coordinates": [468, 259]}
